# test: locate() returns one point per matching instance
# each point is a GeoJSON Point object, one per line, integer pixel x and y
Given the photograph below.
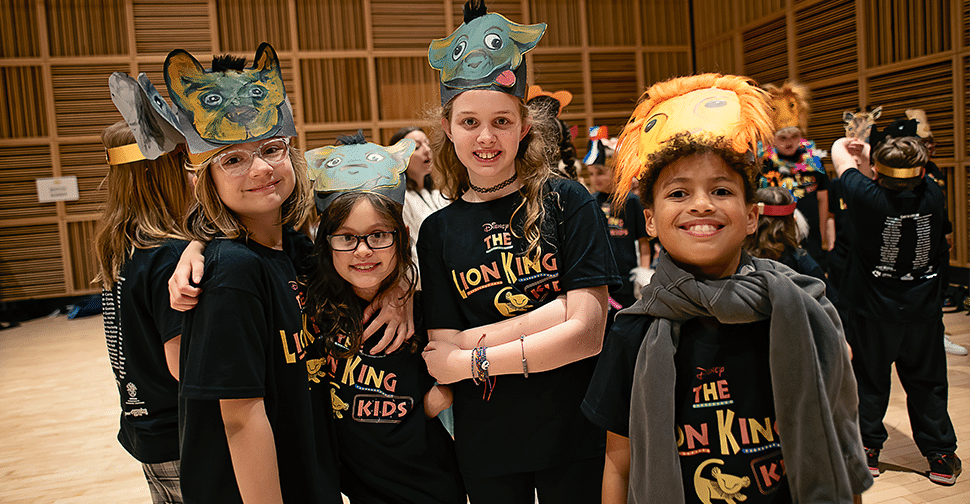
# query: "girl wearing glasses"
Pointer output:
{"type": "Point", "coordinates": [392, 447]}
{"type": "Point", "coordinates": [247, 426]}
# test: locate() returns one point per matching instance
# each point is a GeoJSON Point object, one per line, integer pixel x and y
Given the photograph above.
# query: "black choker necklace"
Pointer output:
{"type": "Point", "coordinates": [501, 185]}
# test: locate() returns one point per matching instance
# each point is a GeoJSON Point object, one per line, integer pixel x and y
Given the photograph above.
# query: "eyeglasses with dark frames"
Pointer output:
{"type": "Point", "coordinates": [349, 242]}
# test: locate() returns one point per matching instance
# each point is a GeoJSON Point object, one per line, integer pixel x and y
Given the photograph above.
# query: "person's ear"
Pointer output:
{"type": "Point", "coordinates": [525, 130]}
{"type": "Point", "coordinates": [446, 127]}
{"type": "Point", "coordinates": [752, 223]}
{"type": "Point", "coordinates": [650, 226]}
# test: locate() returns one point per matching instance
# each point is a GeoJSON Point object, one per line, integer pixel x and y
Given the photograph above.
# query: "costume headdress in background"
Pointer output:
{"type": "Point", "coordinates": [485, 52]}
{"type": "Point", "coordinates": [922, 122]}
{"type": "Point", "coordinates": [214, 108]}
{"type": "Point", "coordinates": [708, 108]}
{"type": "Point", "coordinates": [598, 149]}
{"type": "Point", "coordinates": [546, 107]}
{"type": "Point", "coordinates": [789, 106]}
{"type": "Point", "coordinates": [900, 128]}
{"type": "Point", "coordinates": [357, 165]}
{"type": "Point", "coordinates": [859, 124]}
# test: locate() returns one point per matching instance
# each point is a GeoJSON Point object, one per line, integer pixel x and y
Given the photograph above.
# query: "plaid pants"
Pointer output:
{"type": "Point", "coordinates": [163, 482]}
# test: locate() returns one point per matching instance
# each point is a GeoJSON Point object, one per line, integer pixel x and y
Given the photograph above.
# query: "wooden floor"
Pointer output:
{"type": "Point", "coordinates": [59, 417]}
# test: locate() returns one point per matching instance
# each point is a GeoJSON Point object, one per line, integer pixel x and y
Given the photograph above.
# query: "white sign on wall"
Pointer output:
{"type": "Point", "coordinates": [51, 189]}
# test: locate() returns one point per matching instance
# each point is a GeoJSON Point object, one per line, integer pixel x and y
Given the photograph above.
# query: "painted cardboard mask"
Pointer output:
{"type": "Point", "coordinates": [485, 52]}
{"type": "Point", "coordinates": [228, 104]}
{"type": "Point", "coordinates": [359, 165]}
{"type": "Point", "coordinates": [150, 119]}
{"type": "Point", "coordinates": [709, 108]}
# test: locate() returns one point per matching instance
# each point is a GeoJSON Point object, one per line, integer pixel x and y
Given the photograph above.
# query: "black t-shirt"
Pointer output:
{"type": "Point", "coordinates": [724, 408]}
{"type": "Point", "coordinates": [473, 272]}
{"type": "Point", "coordinates": [804, 176]}
{"type": "Point", "coordinates": [137, 323]}
{"type": "Point", "coordinates": [626, 227]}
{"type": "Point", "coordinates": [897, 252]}
{"type": "Point", "coordinates": [246, 338]}
{"type": "Point", "coordinates": [935, 174]}
{"type": "Point", "coordinates": [389, 451]}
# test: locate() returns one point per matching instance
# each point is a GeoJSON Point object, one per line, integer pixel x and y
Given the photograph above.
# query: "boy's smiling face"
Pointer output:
{"type": "Point", "coordinates": [700, 215]}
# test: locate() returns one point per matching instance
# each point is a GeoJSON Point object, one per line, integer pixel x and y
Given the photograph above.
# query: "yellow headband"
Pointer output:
{"type": "Point", "coordinates": [124, 154]}
{"type": "Point", "coordinates": [900, 173]}
{"type": "Point", "coordinates": [201, 158]}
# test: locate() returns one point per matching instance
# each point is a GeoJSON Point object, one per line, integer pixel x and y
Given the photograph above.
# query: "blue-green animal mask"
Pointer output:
{"type": "Point", "coordinates": [359, 166]}
{"type": "Point", "coordinates": [485, 52]}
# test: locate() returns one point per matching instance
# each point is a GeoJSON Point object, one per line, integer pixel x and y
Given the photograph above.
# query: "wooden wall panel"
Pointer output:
{"type": "Point", "coordinates": [601, 28]}
{"type": "Point", "coordinates": [664, 65]}
{"type": "Point", "coordinates": [31, 265]}
{"type": "Point", "coordinates": [929, 87]}
{"type": "Point", "coordinates": [825, 41]}
{"type": "Point", "coordinates": [86, 162]}
{"type": "Point", "coordinates": [563, 20]}
{"type": "Point", "coordinates": [18, 29]}
{"type": "Point", "coordinates": [917, 29]}
{"type": "Point", "coordinates": [22, 109]}
{"type": "Point", "coordinates": [243, 24]}
{"type": "Point", "coordinates": [154, 22]}
{"type": "Point", "coordinates": [717, 58]}
{"type": "Point", "coordinates": [334, 90]}
{"type": "Point", "coordinates": [88, 28]}
{"type": "Point", "coordinates": [614, 82]}
{"type": "Point", "coordinates": [825, 124]}
{"type": "Point", "coordinates": [316, 139]}
{"type": "Point", "coordinates": [713, 18]}
{"type": "Point", "coordinates": [330, 25]}
{"type": "Point", "coordinates": [84, 264]}
{"type": "Point", "coordinates": [82, 103]}
{"type": "Point", "coordinates": [407, 87]}
{"type": "Point", "coordinates": [664, 22]}
{"type": "Point", "coordinates": [20, 166]}
{"type": "Point", "coordinates": [765, 52]}
{"type": "Point", "coordinates": [407, 27]}
{"type": "Point", "coordinates": [753, 10]}
{"type": "Point", "coordinates": [561, 71]}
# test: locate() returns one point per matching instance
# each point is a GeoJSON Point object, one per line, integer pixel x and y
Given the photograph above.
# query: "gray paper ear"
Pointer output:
{"type": "Point", "coordinates": [150, 119]}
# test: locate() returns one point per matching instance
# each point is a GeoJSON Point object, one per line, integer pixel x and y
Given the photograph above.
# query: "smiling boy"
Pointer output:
{"type": "Point", "coordinates": [729, 379]}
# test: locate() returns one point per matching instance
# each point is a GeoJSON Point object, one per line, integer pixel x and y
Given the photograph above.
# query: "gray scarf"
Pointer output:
{"type": "Point", "coordinates": [814, 390]}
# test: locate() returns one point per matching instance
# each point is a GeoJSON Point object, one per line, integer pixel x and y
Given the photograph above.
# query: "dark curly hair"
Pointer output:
{"type": "Point", "coordinates": [331, 300]}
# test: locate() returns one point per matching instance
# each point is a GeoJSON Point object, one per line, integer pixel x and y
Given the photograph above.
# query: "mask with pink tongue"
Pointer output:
{"type": "Point", "coordinates": [485, 52]}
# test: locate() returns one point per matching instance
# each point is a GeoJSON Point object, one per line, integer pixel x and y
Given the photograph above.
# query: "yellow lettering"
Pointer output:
{"type": "Point", "coordinates": [528, 264]}
{"type": "Point", "coordinates": [290, 354]}
{"type": "Point", "coordinates": [350, 365]}
{"type": "Point", "coordinates": [724, 432]}
{"type": "Point", "coordinates": [474, 277]}
{"type": "Point", "coordinates": [710, 391]}
{"type": "Point", "coordinates": [507, 267]}
{"type": "Point", "coordinates": [461, 291]}
{"type": "Point", "coordinates": [373, 378]}
{"type": "Point", "coordinates": [757, 428]}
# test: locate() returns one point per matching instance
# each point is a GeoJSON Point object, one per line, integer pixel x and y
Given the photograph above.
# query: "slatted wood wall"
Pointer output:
{"type": "Point", "coordinates": [854, 54]}
{"type": "Point", "coordinates": [347, 64]}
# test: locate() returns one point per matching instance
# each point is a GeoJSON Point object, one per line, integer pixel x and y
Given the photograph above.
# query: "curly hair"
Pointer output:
{"type": "Point", "coordinates": [684, 145]}
{"type": "Point", "coordinates": [144, 207]}
{"type": "Point", "coordinates": [210, 218]}
{"type": "Point", "coordinates": [331, 300]}
{"type": "Point", "coordinates": [775, 234]}
{"type": "Point", "coordinates": [531, 165]}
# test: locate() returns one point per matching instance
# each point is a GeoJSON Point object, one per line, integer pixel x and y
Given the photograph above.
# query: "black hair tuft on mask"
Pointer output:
{"type": "Point", "coordinates": [474, 9]}
{"type": "Point", "coordinates": [354, 139]}
{"type": "Point", "coordinates": [228, 62]}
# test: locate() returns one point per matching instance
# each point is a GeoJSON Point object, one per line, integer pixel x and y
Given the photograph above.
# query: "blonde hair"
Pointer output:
{"type": "Point", "coordinates": [145, 205]}
{"type": "Point", "coordinates": [531, 165]}
{"type": "Point", "coordinates": [210, 218]}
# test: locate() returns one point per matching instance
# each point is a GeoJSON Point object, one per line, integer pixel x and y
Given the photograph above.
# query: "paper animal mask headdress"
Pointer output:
{"type": "Point", "coordinates": [359, 166]}
{"type": "Point", "coordinates": [597, 151]}
{"type": "Point", "coordinates": [859, 124]}
{"type": "Point", "coordinates": [485, 52]}
{"type": "Point", "coordinates": [789, 106]}
{"type": "Point", "coordinates": [228, 104]}
{"type": "Point", "coordinates": [922, 122]}
{"type": "Point", "coordinates": [149, 118]}
{"type": "Point", "coordinates": [708, 108]}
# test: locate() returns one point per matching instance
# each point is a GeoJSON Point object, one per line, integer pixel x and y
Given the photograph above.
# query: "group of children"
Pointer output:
{"type": "Point", "coordinates": [728, 379]}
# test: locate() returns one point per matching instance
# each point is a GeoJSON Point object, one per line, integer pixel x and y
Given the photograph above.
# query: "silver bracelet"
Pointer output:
{"type": "Point", "coordinates": [525, 363]}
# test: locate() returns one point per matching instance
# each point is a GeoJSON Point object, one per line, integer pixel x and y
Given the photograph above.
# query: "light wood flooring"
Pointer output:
{"type": "Point", "coordinates": [59, 418]}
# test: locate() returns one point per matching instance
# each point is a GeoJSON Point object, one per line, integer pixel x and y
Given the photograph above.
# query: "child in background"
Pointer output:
{"type": "Point", "coordinates": [625, 221]}
{"type": "Point", "coordinates": [139, 241]}
{"type": "Point", "coordinates": [777, 235]}
{"type": "Point", "coordinates": [730, 378]}
{"type": "Point", "coordinates": [392, 447]}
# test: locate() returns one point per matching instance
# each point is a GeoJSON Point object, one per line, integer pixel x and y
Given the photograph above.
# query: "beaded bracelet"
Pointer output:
{"type": "Point", "coordinates": [480, 369]}
{"type": "Point", "coordinates": [525, 363]}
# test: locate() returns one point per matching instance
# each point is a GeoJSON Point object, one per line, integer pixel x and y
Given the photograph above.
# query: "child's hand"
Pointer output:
{"type": "Point", "coordinates": [182, 291]}
{"type": "Point", "coordinates": [437, 399]}
{"type": "Point", "coordinates": [397, 313]}
{"type": "Point", "coordinates": [446, 362]}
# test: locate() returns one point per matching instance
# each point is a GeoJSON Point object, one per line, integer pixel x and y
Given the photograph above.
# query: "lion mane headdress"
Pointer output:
{"type": "Point", "coordinates": [711, 108]}
{"type": "Point", "coordinates": [789, 106]}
